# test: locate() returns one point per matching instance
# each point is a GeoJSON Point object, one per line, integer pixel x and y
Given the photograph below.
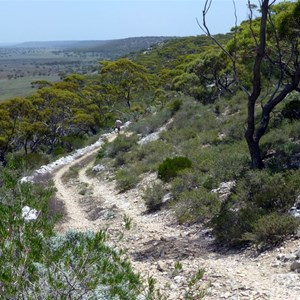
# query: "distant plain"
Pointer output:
{"type": "Point", "coordinates": [51, 61]}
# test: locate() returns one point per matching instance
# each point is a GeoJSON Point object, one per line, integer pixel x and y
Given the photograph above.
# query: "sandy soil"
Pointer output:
{"type": "Point", "coordinates": [155, 243]}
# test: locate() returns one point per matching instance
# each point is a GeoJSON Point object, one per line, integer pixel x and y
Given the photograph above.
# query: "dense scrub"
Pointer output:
{"type": "Point", "coordinates": [38, 263]}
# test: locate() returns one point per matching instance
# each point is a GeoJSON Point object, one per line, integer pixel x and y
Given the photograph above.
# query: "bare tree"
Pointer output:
{"type": "Point", "coordinates": [287, 81]}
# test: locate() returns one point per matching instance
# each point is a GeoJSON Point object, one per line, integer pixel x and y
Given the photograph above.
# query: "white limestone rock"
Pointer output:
{"type": "Point", "coordinates": [29, 214]}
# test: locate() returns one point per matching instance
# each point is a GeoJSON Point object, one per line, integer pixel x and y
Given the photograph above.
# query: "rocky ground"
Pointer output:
{"type": "Point", "coordinates": [172, 254]}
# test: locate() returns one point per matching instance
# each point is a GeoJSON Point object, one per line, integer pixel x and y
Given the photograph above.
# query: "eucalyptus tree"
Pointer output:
{"type": "Point", "coordinates": [205, 76]}
{"type": "Point", "coordinates": [57, 112]}
{"type": "Point", "coordinates": [125, 77]}
{"type": "Point", "coordinates": [13, 119]}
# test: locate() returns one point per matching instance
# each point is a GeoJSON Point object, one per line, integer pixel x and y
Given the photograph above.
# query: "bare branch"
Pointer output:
{"type": "Point", "coordinates": [235, 43]}
{"type": "Point", "coordinates": [251, 23]}
{"type": "Point", "coordinates": [279, 52]}
{"type": "Point", "coordinates": [207, 32]}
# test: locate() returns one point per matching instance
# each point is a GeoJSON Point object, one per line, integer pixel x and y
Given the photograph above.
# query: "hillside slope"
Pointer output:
{"type": "Point", "coordinates": [156, 244]}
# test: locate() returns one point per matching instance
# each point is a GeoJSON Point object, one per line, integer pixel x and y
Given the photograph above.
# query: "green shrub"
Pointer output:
{"type": "Point", "coordinates": [229, 163]}
{"type": "Point", "coordinates": [21, 242]}
{"type": "Point", "coordinates": [153, 197]}
{"type": "Point", "coordinates": [194, 115]}
{"type": "Point", "coordinates": [37, 264]}
{"type": "Point", "coordinates": [259, 197]}
{"type": "Point", "coordinates": [150, 155]}
{"type": "Point", "coordinates": [178, 136]}
{"type": "Point", "coordinates": [209, 137]}
{"type": "Point", "coordinates": [59, 150]}
{"type": "Point", "coordinates": [79, 263]}
{"type": "Point", "coordinates": [28, 162]}
{"type": "Point", "coordinates": [190, 179]}
{"type": "Point", "coordinates": [175, 105]}
{"type": "Point", "coordinates": [231, 223]}
{"type": "Point", "coordinates": [294, 133]}
{"type": "Point", "coordinates": [272, 229]}
{"type": "Point", "coordinates": [292, 110]}
{"type": "Point", "coordinates": [234, 129]}
{"type": "Point", "coordinates": [72, 173]}
{"type": "Point", "coordinates": [70, 269]}
{"type": "Point", "coordinates": [196, 205]}
{"type": "Point", "coordinates": [102, 152]}
{"type": "Point", "coordinates": [121, 144]}
{"type": "Point", "coordinates": [170, 167]}
{"type": "Point", "coordinates": [280, 144]}
{"type": "Point", "coordinates": [127, 179]}
{"type": "Point", "coordinates": [267, 191]}
{"type": "Point", "coordinates": [223, 162]}
{"type": "Point", "coordinates": [71, 143]}
{"type": "Point", "coordinates": [234, 103]}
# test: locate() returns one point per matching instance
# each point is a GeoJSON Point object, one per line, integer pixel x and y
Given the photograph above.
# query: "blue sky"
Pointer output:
{"type": "Point", "coordinates": [49, 20]}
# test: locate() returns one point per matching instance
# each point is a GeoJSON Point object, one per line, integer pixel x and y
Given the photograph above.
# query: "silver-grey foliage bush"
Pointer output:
{"type": "Point", "coordinates": [36, 263]}
{"type": "Point", "coordinates": [79, 265]}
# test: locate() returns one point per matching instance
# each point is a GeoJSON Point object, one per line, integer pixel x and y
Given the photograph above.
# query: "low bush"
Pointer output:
{"type": "Point", "coordinates": [127, 178]}
{"type": "Point", "coordinates": [269, 192]}
{"type": "Point", "coordinates": [102, 152]}
{"type": "Point", "coordinates": [72, 173]}
{"type": "Point", "coordinates": [174, 105]}
{"type": "Point", "coordinates": [192, 179]}
{"type": "Point", "coordinates": [198, 205]}
{"type": "Point", "coordinates": [38, 264]}
{"type": "Point", "coordinates": [231, 223]}
{"type": "Point", "coordinates": [170, 167]}
{"type": "Point", "coordinates": [233, 129]}
{"type": "Point", "coordinates": [229, 163]}
{"type": "Point", "coordinates": [21, 242]}
{"type": "Point", "coordinates": [294, 133]}
{"type": "Point", "coordinates": [260, 197]}
{"type": "Point", "coordinates": [280, 144]}
{"type": "Point", "coordinates": [29, 161]}
{"type": "Point", "coordinates": [272, 229]}
{"type": "Point", "coordinates": [69, 270]}
{"type": "Point", "coordinates": [121, 144]}
{"type": "Point", "coordinates": [292, 110]}
{"type": "Point", "coordinates": [209, 137]}
{"type": "Point", "coordinates": [141, 159]}
{"type": "Point", "coordinates": [176, 137]}
{"type": "Point", "coordinates": [194, 115]}
{"type": "Point", "coordinates": [153, 196]}
{"type": "Point", "coordinates": [71, 143]}
{"type": "Point", "coordinates": [151, 154]}
{"type": "Point", "coordinates": [223, 162]}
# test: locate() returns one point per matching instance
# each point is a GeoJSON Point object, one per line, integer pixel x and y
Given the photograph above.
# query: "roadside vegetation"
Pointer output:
{"type": "Point", "coordinates": [187, 94]}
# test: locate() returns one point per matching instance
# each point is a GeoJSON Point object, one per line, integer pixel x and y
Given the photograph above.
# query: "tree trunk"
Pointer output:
{"type": "Point", "coordinates": [251, 135]}
{"type": "Point", "coordinates": [128, 98]}
{"type": "Point", "coordinates": [255, 153]}
{"type": "Point", "coordinates": [3, 159]}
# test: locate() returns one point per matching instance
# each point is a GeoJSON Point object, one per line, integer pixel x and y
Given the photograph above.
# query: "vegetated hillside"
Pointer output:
{"type": "Point", "coordinates": [189, 110]}
{"type": "Point", "coordinates": [109, 49]}
{"type": "Point", "coordinates": [173, 52]}
{"type": "Point", "coordinates": [120, 47]}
